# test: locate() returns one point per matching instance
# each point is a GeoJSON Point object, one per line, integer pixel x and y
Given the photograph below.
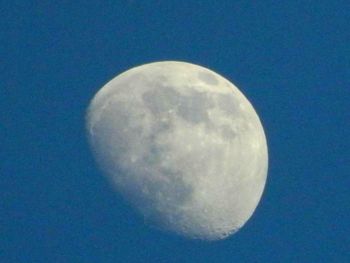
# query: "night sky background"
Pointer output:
{"type": "Point", "coordinates": [290, 58]}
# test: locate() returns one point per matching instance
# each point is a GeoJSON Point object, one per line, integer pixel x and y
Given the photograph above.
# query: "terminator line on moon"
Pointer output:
{"type": "Point", "coordinates": [183, 145]}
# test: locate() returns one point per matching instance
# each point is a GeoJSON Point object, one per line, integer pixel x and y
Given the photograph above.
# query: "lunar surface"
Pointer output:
{"type": "Point", "coordinates": [183, 145]}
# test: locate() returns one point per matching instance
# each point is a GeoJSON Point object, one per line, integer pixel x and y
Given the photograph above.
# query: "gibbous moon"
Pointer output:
{"type": "Point", "coordinates": [183, 145]}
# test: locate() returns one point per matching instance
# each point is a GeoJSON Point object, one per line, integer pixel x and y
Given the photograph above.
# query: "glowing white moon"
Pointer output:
{"type": "Point", "coordinates": [183, 145]}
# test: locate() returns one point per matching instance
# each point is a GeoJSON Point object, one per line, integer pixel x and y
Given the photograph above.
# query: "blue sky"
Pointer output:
{"type": "Point", "coordinates": [290, 58]}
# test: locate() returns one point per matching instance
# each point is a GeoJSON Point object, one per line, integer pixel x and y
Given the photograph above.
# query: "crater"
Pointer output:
{"type": "Point", "coordinates": [161, 100]}
{"type": "Point", "coordinates": [191, 108]}
{"type": "Point", "coordinates": [165, 183]}
{"type": "Point", "coordinates": [194, 109]}
{"type": "Point", "coordinates": [208, 78]}
{"type": "Point", "coordinates": [228, 103]}
{"type": "Point", "coordinates": [227, 132]}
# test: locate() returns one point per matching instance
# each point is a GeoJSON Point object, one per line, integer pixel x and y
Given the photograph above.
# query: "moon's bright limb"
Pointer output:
{"type": "Point", "coordinates": [183, 145]}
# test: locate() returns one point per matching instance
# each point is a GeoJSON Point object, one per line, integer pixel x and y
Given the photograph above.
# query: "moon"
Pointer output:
{"type": "Point", "coordinates": [182, 145]}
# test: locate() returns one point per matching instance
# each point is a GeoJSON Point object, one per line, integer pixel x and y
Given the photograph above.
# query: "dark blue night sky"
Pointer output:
{"type": "Point", "coordinates": [290, 58]}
